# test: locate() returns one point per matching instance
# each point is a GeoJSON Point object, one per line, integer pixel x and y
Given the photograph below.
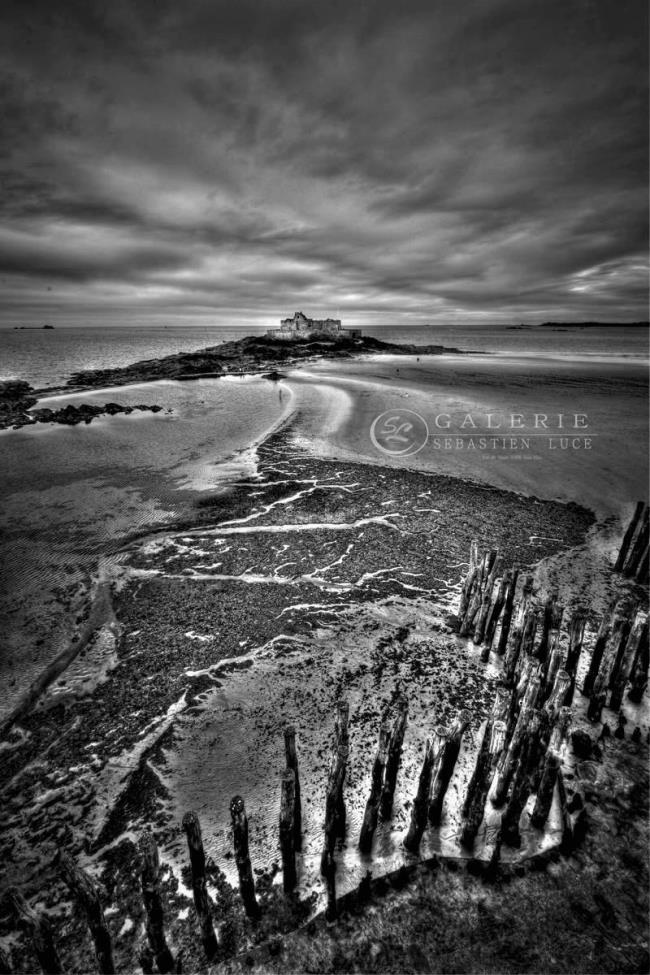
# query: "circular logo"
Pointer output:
{"type": "Point", "coordinates": [399, 432]}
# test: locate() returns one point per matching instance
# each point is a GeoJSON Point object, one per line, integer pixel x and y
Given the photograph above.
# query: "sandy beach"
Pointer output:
{"type": "Point", "coordinates": [251, 579]}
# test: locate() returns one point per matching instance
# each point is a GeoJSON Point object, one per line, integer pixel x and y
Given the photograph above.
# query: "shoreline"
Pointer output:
{"type": "Point", "coordinates": [245, 357]}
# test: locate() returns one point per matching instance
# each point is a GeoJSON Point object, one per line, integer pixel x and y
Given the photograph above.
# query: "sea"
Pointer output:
{"type": "Point", "coordinates": [48, 357]}
{"type": "Point", "coordinates": [71, 498]}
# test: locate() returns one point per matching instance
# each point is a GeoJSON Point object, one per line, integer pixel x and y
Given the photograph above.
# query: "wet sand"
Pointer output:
{"type": "Point", "coordinates": [312, 576]}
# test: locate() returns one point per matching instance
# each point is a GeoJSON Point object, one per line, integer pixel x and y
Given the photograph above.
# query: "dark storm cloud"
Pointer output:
{"type": "Point", "coordinates": [221, 159]}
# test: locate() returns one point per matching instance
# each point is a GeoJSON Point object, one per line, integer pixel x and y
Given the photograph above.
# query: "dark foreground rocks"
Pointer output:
{"type": "Point", "coordinates": [17, 400]}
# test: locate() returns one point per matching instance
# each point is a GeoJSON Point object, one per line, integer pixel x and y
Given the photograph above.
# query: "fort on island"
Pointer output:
{"type": "Point", "coordinates": [301, 327]}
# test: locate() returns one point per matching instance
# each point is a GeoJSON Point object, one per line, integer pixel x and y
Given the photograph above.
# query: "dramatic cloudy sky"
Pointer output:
{"type": "Point", "coordinates": [396, 160]}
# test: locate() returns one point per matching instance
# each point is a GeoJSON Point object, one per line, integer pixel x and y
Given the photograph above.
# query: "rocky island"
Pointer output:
{"type": "Point", "coordinates": [253, 354]}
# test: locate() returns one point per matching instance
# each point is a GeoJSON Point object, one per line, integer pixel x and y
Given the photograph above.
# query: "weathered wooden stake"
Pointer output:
{"type": "Point", "coordinates": [329, 872]}
{"type": "Point", "coordinates": [576, 640]}
{"type": "Point", "coordinates": [547, 622]}
{"type": "Point", "coordinates": [242, 858]}
{"type": "Point", "coordinates": [394, 758]}
{"type": "Point", "coordinates": [522, 781]}
{"type": "Point", "coordinates": [549, 774]}
{"type": "Point", "coordinates": [638, 549]}
{"type": "Point", "coordinates": [486, 599]}
{"type": "Point", "coordinates": [618, 635]}
{"type": "Point", "coordinates": [342, 742]}
{"type": "Point", "coordinates": [192, 828]}
{"type": "Point", "coordinates": [469, 581]}
{"type": "Point", "coordinates": [614, 617]}
{"type": "Point", "coordinates": [420, 810]}
{"type": "Point", "coordinates": [333, 803]}
{"type": "Point", "coordinates": [475, 802]}
{"type": "Point", "coordinates": [508, 758]}
{"type": "Point", "coordinates": [507, 612]}
{"type": "Point", "coordinates": [556, 652]}
{"type": "Point", "coordinates": [371, 814]}
{"type": "Point", "coordinates": [519, 626]}
{"type": "Point", "coordinates": [287, 830]}
{"type": "Point", "coordinates": [559, 691]}
{"type": "Point", "coordinates": [567, 824]}
{"type": "Point", "coordinates": [87, 896]}
{"type": "Point", "coordinates": [545, 790]}
{"type": "Point", "coordinates": [494, 613]}
{"type": "Point", "coordinates": [444, 768]}
{"type": "Point", "coordinates": [629, 534]}
{"type": "Point", "coordinates": [622, 672]}
{"type": "Point", "coordinates": [643, 571]}
{"type": "Point", "coordinates": [38, 929]}
{"type": "Point", "coordinates": [291, 756]}
{"type": "Point", "coordinates": [151, 896]}
{"type": "Point", "coordinates": [639, 678]}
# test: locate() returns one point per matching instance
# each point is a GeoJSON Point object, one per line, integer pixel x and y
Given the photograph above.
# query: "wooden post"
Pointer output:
{"type": "Point", "coordinates": [371, 814]}
{"type": "Point", "coordinates": [545, 791]}
{"type": "Point", "coordinates": [643, 571]}
{"type": "Point", "coordinates": [525, 694]}
{"type": "Point", "coordinates": [613, 618]}
{"type": "Point", "coordinates": [576, 639]}
{"type": "Point", "coordinates": [486, 598]}
{"type": "Point", "coordinates": [545, 783]}
{"type": "Point", "coordinates": [567, 825]}
{"type": "Point", "coordinates": [556, 652]}
{"type": "Point", "coordinates": [469, 581]}
{"type": "Point", "coordinates": [521, 622]}
{"type": "Point", "coordinates": [508, 758]}
{"type": "Point", "coordinates": [192, 828]}
{"type": "Point", "coordinates": [622, 674]}
{"type": "Point", "coordinates": [617, 637]}
{"type": "Point", "coordinates": [341, 722]}
{"type": "Point", "coordinates": [287, 830]}
{"type": "Point", "coordinates": [507, 612]}
{"type": "Point", "coordinates": [629, 534]}
{"type": "Point", "coordinates": [496, 608]}
{"type": "Point", "coordinates": [557, 697]}
{"type": "Point", "coordinates": [420, 810]}
{"type": "Point", "coordinates": [521, 786]}
{"type": "Point", "coordinates": [329, 872]}
{"type": "Point", "coordinates": [292, 762]}
{"type": "Point", "coordinates": [465, 626]}
{"type": "Point", "coordinates": [342, 742]}
{"type": "Point", "coordinates": [482, 617]}
{"type": "Point", "coordinates": [151, 896]}
{"type": "Point", "coordinates": [87, 896]}
{"type": "Point", "coordinates": [555, 663]}
{"type": "Point", "coordinates": [639, 678]}
{"type": "Point", "coordinates": [476, 798]}
{"type": "Point", "coordinates": [444, 768]}
{"type": "Point", "coordinates": [333, 802]}
{"type": "Point", "coordinates": [38, 929]}
{"type": "Point", "coordinates": [394, 758]}
{"type": "Point", "coordinates": [547, 622]}
{"type": "Point", "coordinates": [242, 858]}
{"type": "Point", "coordinates": [638, 549]}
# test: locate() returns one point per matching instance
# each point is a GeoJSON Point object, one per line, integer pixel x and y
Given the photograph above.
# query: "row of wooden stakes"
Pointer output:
{"type": "Point", "coordinates": [517, 746]}
{"type": "Point", "coordinates": [492, 616]}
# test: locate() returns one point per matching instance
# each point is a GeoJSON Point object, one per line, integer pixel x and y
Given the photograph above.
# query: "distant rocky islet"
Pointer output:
{"type": "Point", "coordinates": [251, 355]}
